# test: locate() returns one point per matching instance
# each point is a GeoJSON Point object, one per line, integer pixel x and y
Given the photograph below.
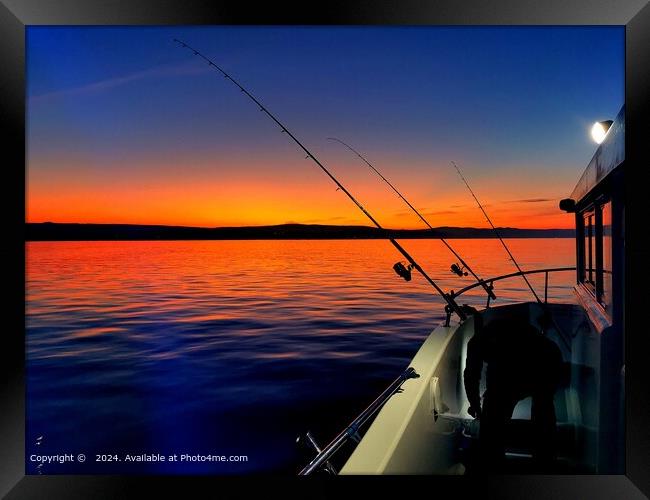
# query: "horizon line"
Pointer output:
{"type": "Point", "coordinates": [299, 224]}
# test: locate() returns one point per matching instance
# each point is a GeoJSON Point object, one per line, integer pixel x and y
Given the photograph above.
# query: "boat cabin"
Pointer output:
{"type": "Point", "coordinates": [599, 206]}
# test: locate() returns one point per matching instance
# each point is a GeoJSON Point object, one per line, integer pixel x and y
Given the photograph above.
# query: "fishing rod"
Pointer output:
{"type": "Point", "coordinates": [400, 268]}
{"type": "Point", "coordinates": [460, 270]}
{"type": "Point", "coordinates": [496, 231]}
{"type": "Point", "coordinates": [547, 313]}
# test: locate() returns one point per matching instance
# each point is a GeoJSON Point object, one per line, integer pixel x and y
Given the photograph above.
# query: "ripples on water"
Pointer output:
{"type": "Point", "coordinates": [231, 347]}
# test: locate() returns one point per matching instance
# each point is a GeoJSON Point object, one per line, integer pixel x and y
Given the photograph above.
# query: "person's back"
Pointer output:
{"type": "Point", "coordinates": [521, 362]}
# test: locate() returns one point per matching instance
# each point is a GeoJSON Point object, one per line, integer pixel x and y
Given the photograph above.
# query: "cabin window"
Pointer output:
{"type": "Point", "coordinates": [595, 253]}
{"type": "Point", "coordinates": [589, 250]}
{"type": "Point", "coordinates": [606, 291]}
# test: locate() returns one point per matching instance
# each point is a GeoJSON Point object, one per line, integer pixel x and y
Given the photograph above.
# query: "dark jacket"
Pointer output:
{"type": "Point", "coordinates": [521, 362]}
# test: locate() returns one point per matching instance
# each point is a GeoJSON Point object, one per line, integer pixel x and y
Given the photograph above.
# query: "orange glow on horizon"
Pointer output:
{"type": "Point", "coordinates": [269, 194]}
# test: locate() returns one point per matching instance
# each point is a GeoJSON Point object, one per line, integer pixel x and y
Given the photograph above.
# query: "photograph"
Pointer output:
{"type": "Point", "coordinates": [325, 250]}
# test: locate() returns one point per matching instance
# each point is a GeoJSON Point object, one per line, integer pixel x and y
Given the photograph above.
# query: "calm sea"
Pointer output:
{"type": "Point", "coordinates": [231, 347]}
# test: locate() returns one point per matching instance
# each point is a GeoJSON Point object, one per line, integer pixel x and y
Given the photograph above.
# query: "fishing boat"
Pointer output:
{"type": "Point", "coordinates": [420, 424]}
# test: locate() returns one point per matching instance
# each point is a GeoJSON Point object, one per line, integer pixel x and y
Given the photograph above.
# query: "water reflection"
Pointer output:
{"type": "Point", "coordinates": [232, 346]}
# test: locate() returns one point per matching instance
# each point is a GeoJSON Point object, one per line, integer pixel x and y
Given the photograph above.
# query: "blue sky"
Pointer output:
{"type": "Point", "coordinates": [126, 108]}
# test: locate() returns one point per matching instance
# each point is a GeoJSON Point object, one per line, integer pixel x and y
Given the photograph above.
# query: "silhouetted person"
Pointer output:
{"type": "Point", "coordinates": [521, 362]}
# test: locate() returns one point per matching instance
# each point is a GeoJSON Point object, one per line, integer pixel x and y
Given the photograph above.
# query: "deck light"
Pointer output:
{"type": "Point", "coordinates": [599, 130]}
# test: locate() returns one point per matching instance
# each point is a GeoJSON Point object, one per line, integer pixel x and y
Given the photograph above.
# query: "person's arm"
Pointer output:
{"type": "Point", "coordinates": [472, 376]}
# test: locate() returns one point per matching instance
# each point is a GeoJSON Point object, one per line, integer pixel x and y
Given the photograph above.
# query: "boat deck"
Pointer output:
{"type": "Point", "coordinates": [519, 458]}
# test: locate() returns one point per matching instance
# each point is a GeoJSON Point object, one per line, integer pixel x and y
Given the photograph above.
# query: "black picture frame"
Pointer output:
{"type": "Point", "coordinates": [15, 15]}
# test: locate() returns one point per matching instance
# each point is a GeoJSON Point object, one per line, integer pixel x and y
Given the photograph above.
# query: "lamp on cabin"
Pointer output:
{"type": "Point", "coordinates": [599, 130]}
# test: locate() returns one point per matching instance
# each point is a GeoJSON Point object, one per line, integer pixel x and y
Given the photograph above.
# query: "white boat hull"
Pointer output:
{"type": "Point", "coordinates": [404, 438]}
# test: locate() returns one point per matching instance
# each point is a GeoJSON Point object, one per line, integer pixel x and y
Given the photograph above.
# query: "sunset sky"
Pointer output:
{"type": "Point", "coordinates": [125, 127]}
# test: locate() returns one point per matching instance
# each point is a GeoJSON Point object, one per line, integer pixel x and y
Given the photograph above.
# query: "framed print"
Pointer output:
{"type": "Point", "coordinates": [249, 246]}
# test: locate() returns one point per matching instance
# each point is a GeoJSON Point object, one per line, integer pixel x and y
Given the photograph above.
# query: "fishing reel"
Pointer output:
{"type": "Point", "coordinates": [458, 270]}
{"type": "Point", "coordinates": [403, 270]}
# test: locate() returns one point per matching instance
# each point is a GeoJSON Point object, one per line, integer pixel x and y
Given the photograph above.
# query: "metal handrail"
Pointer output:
{"type": "Point", "coordinates": [351, 430]}
{"type": "Point", "coordinates": [490, 281]}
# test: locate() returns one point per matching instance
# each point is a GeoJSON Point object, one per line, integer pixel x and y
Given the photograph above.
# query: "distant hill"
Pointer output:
{"type": "Point", "coordinates": [49, 231]}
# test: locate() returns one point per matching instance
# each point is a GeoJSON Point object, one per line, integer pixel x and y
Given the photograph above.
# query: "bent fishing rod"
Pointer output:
{"type": "Point", "coordinates": [496, 231]}
{"type": "Point", "coordinates": [544, 305]}
{"type": "Point", "coordinates": [455, 268]}
{"type": "Point", "coordinates": [403, 271]}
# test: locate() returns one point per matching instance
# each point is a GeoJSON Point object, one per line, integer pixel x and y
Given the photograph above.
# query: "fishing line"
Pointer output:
{"type": "Point", "coordinates": [496, 231]}
{"type": "Point", "coordinates": [547, 313]}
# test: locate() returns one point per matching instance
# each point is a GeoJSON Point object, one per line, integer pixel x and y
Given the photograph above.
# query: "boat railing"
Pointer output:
{"type": "Point", "coordinates": [490, 281]}
{"type": "Point", "coordinates": [352, 431]}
